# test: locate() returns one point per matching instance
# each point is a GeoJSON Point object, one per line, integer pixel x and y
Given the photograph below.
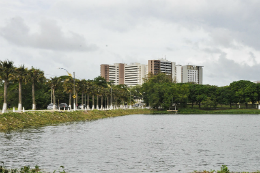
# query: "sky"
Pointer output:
{"type": "Point", "coordinates": [80, 35]}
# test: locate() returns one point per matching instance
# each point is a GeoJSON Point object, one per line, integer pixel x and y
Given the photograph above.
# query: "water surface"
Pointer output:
{"type": "Point", "coordinates": [139, 143]}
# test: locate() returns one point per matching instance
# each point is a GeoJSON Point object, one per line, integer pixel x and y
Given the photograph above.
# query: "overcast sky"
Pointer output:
{"type": "Point", "coordinates": [79, 35]}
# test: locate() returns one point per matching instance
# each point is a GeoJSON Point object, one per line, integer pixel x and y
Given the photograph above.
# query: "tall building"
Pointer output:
{"type": "Point", "coordinates": [189, 73]}
{"type": "Point", "coordinates": [162, 66]}
{"type": "Point", "coordinates": [178, 73]}
{"type": "Point", "coordinates": [119, 73]}
{"type": "Point", "coordinates": [134, 74]}
{"type": "Point", "coordinates": [192, 73]}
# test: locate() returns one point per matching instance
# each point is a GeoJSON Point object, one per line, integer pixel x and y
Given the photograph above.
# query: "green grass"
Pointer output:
{"type": "Point", "coordinates": [208, 111]}
{"type": "Point", "coordinates": [218, 111]}
{"type": "Point", "coordinates": [15, 121]}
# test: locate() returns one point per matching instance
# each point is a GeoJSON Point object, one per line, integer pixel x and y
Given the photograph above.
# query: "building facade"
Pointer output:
{"type": "Point", "coordinates": [119, 73]}
{"type": "Point", "coordinates": [134, 74]}
{"type": "Point", "coordinates": [162, 66]}
{"type": "Point", "coordinates": [178, 73]}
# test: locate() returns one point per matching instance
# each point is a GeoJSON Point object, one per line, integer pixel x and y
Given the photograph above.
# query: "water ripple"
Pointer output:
{"type": "Point", "coordinates": [139, 143]}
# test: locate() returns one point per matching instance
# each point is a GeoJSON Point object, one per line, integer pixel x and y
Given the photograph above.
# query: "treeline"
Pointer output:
{"type": "Point", "coordinates": [29, 88]}
{"type": "Point", "coordinates": [160, 92]}
{"type": "Point", "coordinates": [23, 87]}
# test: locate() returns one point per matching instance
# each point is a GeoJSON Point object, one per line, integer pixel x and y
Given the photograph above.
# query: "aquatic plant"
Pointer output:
{"type": "Point", "coordinates": [26, 169]}
{"type": "Point", "coordinates": [223, 169]}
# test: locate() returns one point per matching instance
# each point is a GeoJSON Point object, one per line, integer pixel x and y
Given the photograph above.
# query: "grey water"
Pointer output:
{"type": "Point", "coordinates": [139, 143]}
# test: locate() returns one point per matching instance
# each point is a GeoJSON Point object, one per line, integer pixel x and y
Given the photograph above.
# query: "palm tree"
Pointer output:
{"type": "Point", "coordinates": [20, 74]}
{"type": "Point", "coordinates": [93, 92]}
{"type": "Point", "coordinates": [6, 70]}
{"type": "Point", "coordinates": [35, 75]}
{"type": "Point", "coordinates": [101, 93]}
{"type": "Point", "coordinates": [68, 88]}
{"type": "Point", "coordinates": [82, 88]}
{"type": "Point", "coordinates": [88, 89]}
{"type": "Point", "coordinates": [106, 94]}
{"type": "Point", "coordinates": [53, 84]}
{"type": "Point", "coordinates": [77, 89]}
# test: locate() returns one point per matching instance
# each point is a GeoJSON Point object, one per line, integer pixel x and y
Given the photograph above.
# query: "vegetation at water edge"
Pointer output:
{"type": "Point", "coordinates": [223, 169]}
{"type": "Point", "coordinates": [27, 169]}
{"type": "Point", "coordinates": [14, 121]}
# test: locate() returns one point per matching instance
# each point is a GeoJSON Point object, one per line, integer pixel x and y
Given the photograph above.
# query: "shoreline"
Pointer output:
{"type": "Point", "coordinates": [33, 119]}
{"type": "Point", "coordinates": [18, 121]}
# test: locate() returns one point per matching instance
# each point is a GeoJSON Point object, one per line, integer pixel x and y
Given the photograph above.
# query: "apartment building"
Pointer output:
{"type": "Point", "coordinates": [189, 74]}
{"type": "Point", "coordinates": [192, 73]}
{"type": "Point", "coordinates": [120, 73]}
{"type": "Point", "coordinates": [134, 74]}
{"type": "Point", "coordinates": [162, 66]}
{"type": "Point", "coordinates": [178, 73]}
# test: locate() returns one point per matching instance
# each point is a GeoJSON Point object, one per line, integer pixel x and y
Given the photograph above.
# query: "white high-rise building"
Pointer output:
{"type": "Point", "coordinates": [189, 74]}
{"type": "Point", "coordinates": [178, 74]}
{"type": "Point", "coordinates": [119, 73]}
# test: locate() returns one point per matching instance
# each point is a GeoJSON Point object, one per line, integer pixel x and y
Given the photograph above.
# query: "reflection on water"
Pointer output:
{"type": "Point", "coordinates": [139, 143]}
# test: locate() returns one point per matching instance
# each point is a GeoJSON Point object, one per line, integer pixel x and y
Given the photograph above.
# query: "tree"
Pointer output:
{"type": "Point", "coordinates": [77, 89]}
{"type": "Point", "coordinates": [35, 76]}
{"type": "Point", "coordinates": [82, 89]}
{"type": "Point", "coordinates": [6, 70]}
{"type": "Point", "coordinates": [89, 87]}
{"type": "Point", "coordinates": [53, 83]}
{"type": "Point", "coordinates": [154, 88]}
{"type": "Point", "coordinates": [20, 74]}
{"type": "Point", "coordinates": [245, 91]}
{"type": "Point", "coordinates": [68, 86]}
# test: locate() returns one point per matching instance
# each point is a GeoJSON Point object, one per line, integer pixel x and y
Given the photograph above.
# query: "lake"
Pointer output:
{"type": "Point", "coordinates": [139, 143]}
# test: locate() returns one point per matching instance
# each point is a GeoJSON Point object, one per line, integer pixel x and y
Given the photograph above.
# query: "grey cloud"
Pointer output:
{"type": "Point", "coordinates": [225, 71]}
{"type": "Point", "coordinates": [234, 20]}
{"type": "Point", "coordinates": [50, 36]}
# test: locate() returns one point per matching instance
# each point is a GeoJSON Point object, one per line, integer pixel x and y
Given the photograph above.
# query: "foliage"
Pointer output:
{"type": "Point", "coordinates": [223, 169]}
{"type": "Point", "coordinates": [158, 91]}
{"type": "Point", "coordinates": [26, 169]}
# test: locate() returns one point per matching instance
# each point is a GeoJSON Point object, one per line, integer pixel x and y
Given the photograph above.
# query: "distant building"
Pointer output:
{"type": "Point", "coordinates": [192, 73]}
{"type": "Point", "coordinates": [119, 73]}
{"type": "Point", "coordinates": [178, 73]}
{"type": "Point", "coordinates": [134, 74]}
{"type": "Point", "coordinates": [162, 66]}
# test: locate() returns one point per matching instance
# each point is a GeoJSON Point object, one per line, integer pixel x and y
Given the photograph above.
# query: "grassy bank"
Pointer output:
{"type": "Point", "coordinates": [15, 121]}
{"type": "Point", "coordinates": [210, 111]}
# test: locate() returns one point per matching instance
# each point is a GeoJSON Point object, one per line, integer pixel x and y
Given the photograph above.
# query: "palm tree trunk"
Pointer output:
{"type": "Point", "coordinates": [76, 99]}
{"type": "Point", "coordinates": [101, 102]}
{"type": "Point", "coordinates": [85, 100]}
{"type": "Point", "coordinates": [97, 103]}
{"type": "Point", "coordinates": [88, 101]}
{"type": "Point", "coordinates": [20, 96]}
{"type": "Point", "coordinates": [93, 98]}
{"type": "Point", "coordinates": [54, 99]}
{"type": "Point", "coordinates": [33, 97]}
{"type": "Point", "coordinates": [70, 100]}
{"type": "Point", "coordinates": [82, 100]}
{"type": "Point", "coordinates": [5, 97]}
{"type": "Point", "coordinates": [107, 102]}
